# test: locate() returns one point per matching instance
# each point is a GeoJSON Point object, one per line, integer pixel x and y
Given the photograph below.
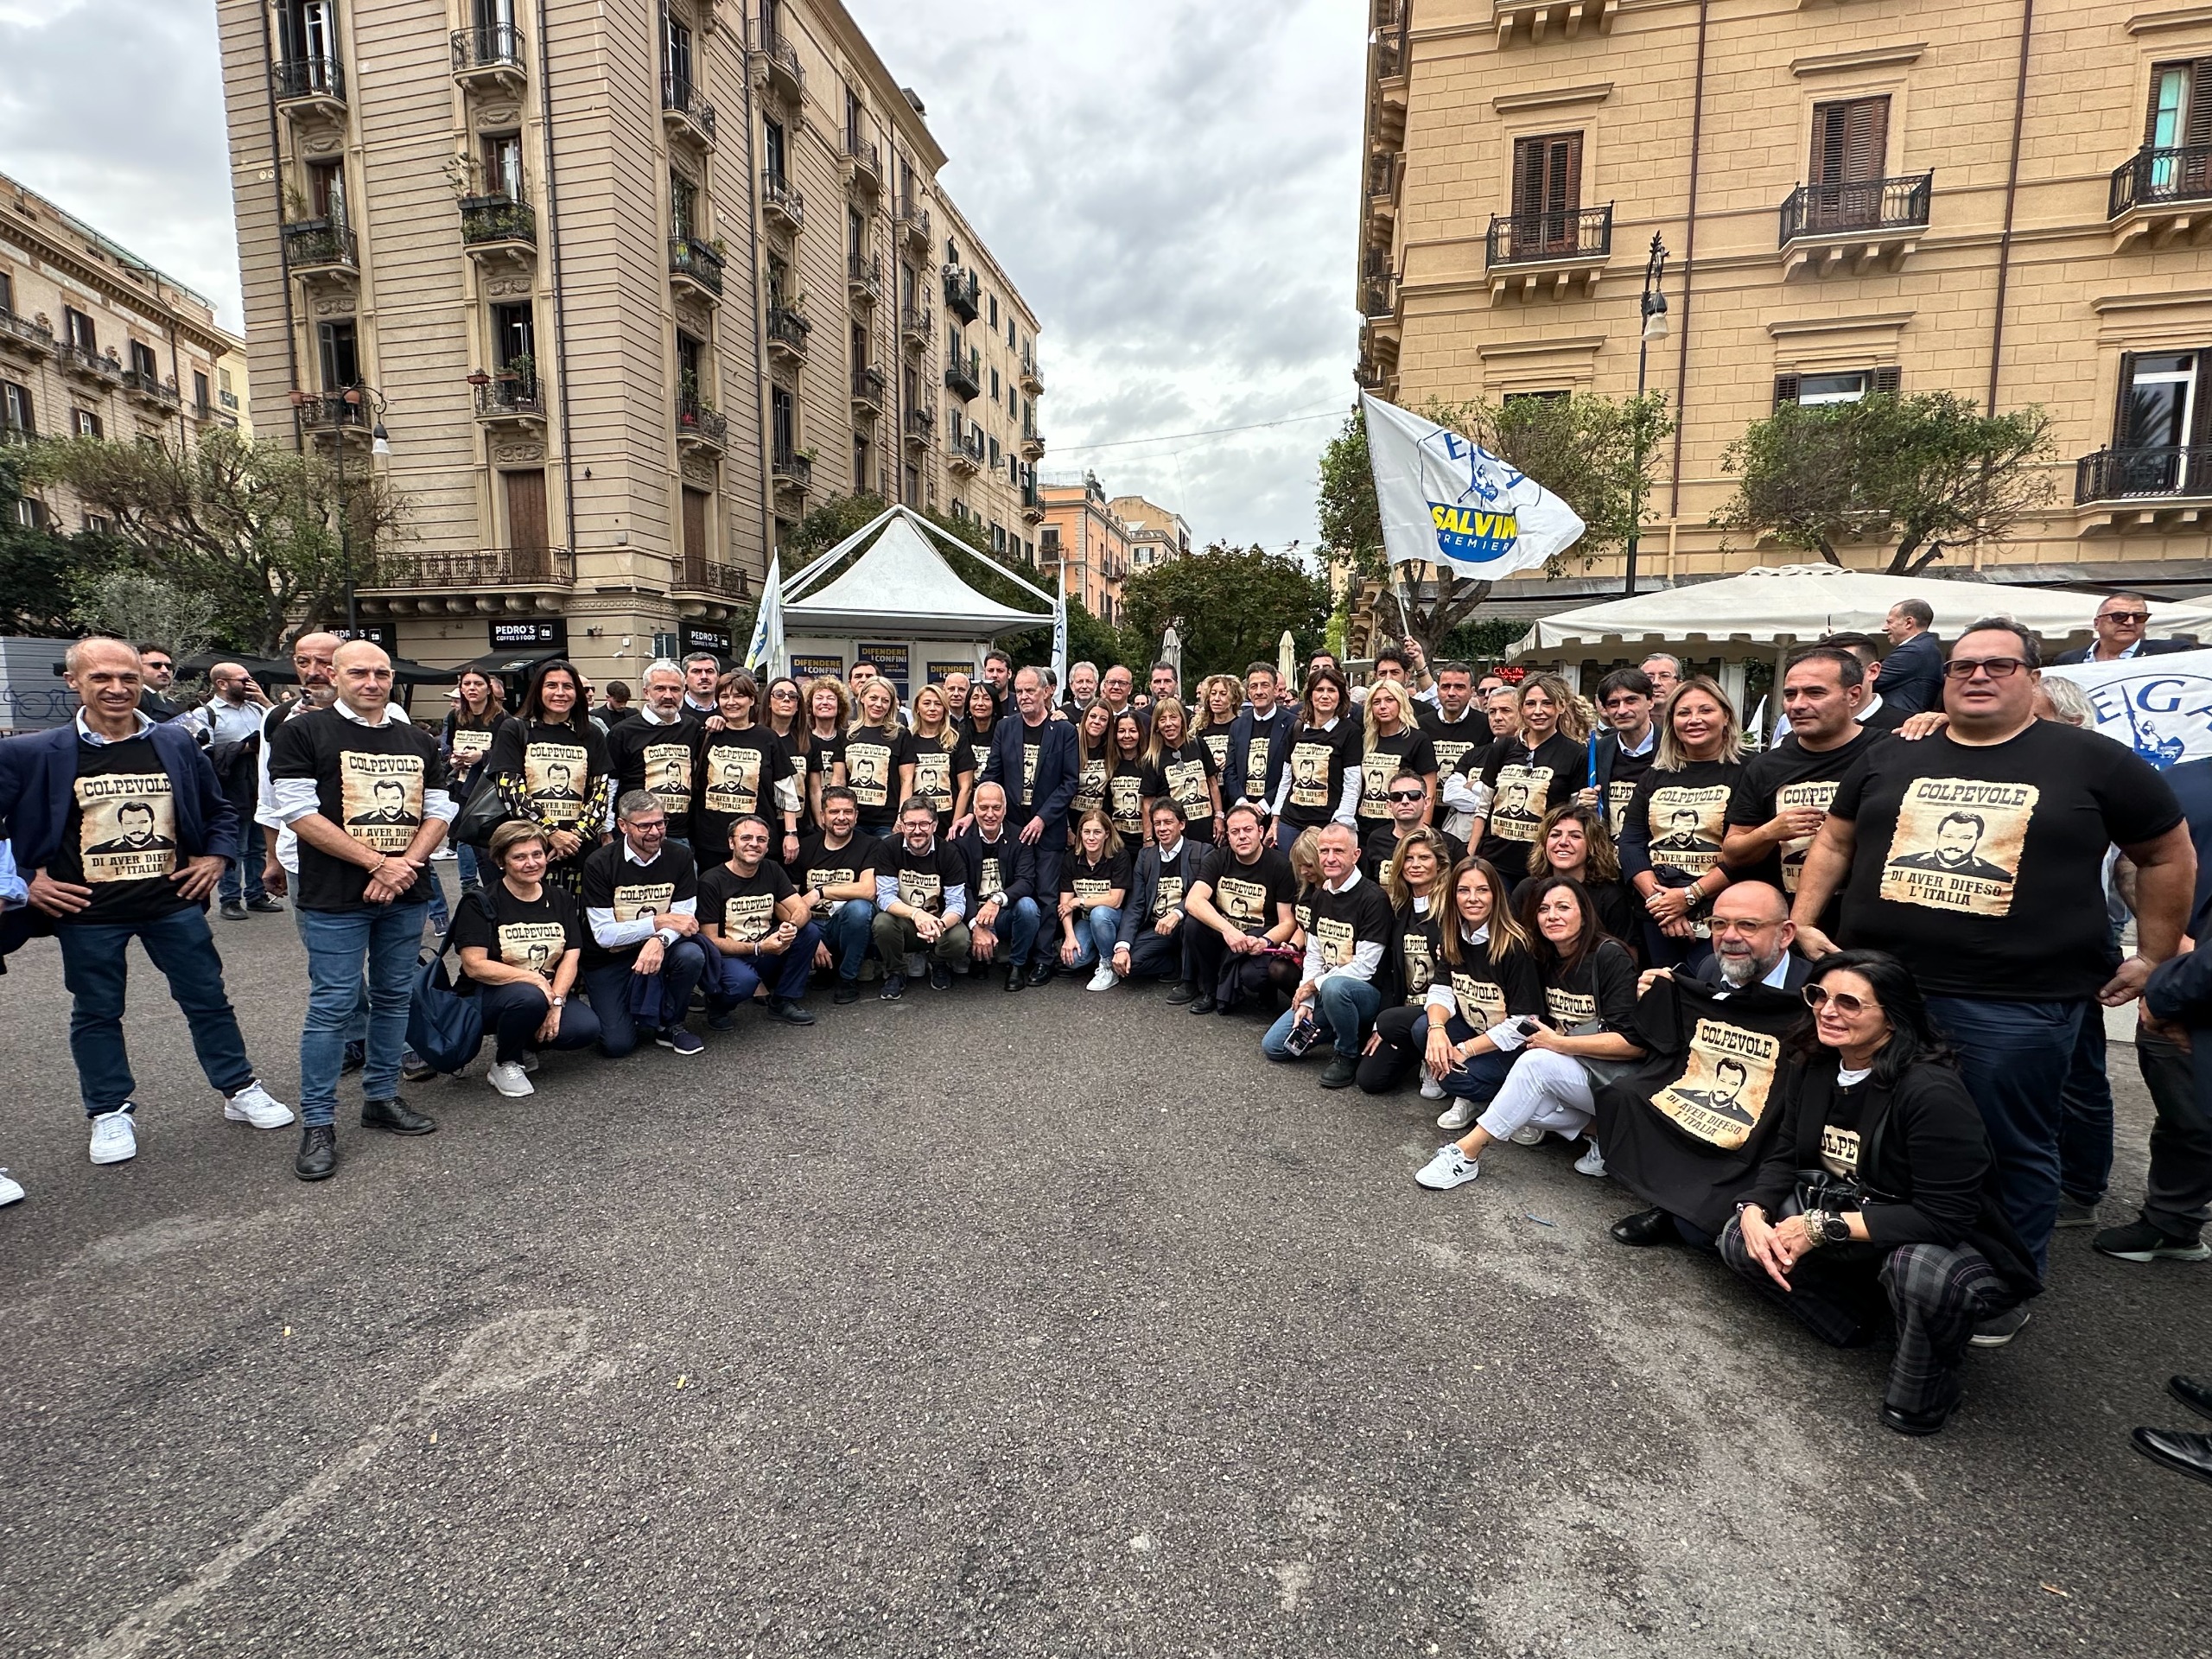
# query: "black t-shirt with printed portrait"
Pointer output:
{"type": "Point", "coordinates": [1677, 819]}
{"type": "Point", "coordinates": [522, 933]}
{"type": "Point", "coordinates": [1125, 790]}
{"type": "Point", "coordinates": [821, 865]}
{"type": "Point", "coordinates": [663, 758]}
{"type": "Point", "coordinates": [798, 764]}
{"type": "Point", "coordinates": [1981, 868]}
{"type": "Point", "coordinates": [1418, 953]}
{"type": "Point", "coordinates": [1216, 739]}
{"type": "Point", "coordinates": [1601, 988]}
{"type": "Point", "coordinates": [1354, 915]}
{"type": "Point", "coordinates": [1627, 772]}
{"type": "Point", "coordinates": [1089, 788]}
{"type": "Point", "coordinates": [979, 743]}
{"type": "Point", "coordinates": [1454, 740]}
{"type": "Point", "coordinates": [1316, 770]}
{"type": "Point", "coordinates": [120, 836]}
{"type": "Point", "coordinates": [1618, 911]}
{"type": "Point", "coordinates": [468, 740]}
{"type": "Point", "coordinates": [1381, 846]}
{"type": "Point", "coordinates": [1092, 881]}
{"type": "Point", "coordinates": [743, 906]}
{"type": "Point", "coordinates": [370, 781]}
{"type": "Point", "coordinates": [1182, 774]}
{"type": "Point", "coordinates": [738, 774]}
{"type": "Point", "coordinates": [1525, 785]}
{"type": "Point", "coordinates": [924, 879]}
{"type": "Point", "coordinates": [940, 763]}
{"type": "Point", "coordinates": [1248, 895]}
{"type": "Point", "coordinates": [872, 758]}
{"type": "Point", "coordinates": [559, 765]}
{"type": "Point", "coordinates": [1488, 993]}
{"type": "Point", "coordinates": [1402, 750]}
{"type": "Point", "coordinates": [1178, 875]}
{"type": "Point", "coordinates": [614, 881]}
{"type": "Point", "coordinates": [1789, 775]}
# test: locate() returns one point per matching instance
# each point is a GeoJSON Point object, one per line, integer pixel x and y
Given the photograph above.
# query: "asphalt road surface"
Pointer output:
{"type": "Point", "coordinates": [1056, 1325]}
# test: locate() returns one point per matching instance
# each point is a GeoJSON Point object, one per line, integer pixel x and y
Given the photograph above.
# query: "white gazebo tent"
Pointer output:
{"type": "Point", "coordinates": [902, 585]}
{"type": "Point", "coordinates": [1765, 614]}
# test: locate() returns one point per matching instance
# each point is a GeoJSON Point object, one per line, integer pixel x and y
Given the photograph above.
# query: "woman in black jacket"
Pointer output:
{"type": "Point", "coordinates": [1880, 1186]}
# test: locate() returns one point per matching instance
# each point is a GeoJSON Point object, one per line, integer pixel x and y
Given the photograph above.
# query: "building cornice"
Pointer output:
{"type": "Point", "coordinates": [2105, 304]}
{"type": "Point", "coordinates": [2170, 17]}
{"type": "Point", "coordinates": [1795, 328]}
{"type": "Point", "coordinates": [1498, 350]}
{"type": "Point", "coordinates": [157, 313]}
{"type": "Point", "coordinates": [1872, 57]}
{"type": "Point", "coordinates": [1507, 102]}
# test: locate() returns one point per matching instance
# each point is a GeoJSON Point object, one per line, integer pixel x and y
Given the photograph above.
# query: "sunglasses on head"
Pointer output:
{"type": "Point", "coordinates": [1819, 996]}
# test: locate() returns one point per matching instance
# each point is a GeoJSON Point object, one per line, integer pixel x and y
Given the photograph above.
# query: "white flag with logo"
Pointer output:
{"type": "Point", "coordinates": [766, 648]}
{"type": "Point", "coordinates": [1060, 641]}
{"type": "Point", "coordinates": [2160, 707]}
{"type": "Point", "coordinates": [1447, 500]}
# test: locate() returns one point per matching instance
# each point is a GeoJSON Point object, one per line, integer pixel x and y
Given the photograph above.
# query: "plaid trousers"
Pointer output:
{"type": "Point", "coordinates": [1934, 1294]}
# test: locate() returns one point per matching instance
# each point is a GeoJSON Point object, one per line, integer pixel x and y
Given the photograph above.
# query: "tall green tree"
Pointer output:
{"type": "Point", "coordinates": [252, 527]}
{"type": "Point", "coordinates": [1595, 454]}
{"type": "Point", "coordinates": [1228, 605]}
{"type": "Point", "coordinates": [44, 574]}
{"type": "Point", "coordinates": [1916, 477]}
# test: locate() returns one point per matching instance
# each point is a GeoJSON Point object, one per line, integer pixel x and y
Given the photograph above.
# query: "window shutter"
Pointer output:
{"type": "Point", "coordinates": [1886, 380]}
{"type": "Point", "coordinates": [1865, 142]}
{"type": "Point", "coordinates": [1569, 186]}
{"type": "Point", "coordinates": [2197, 124]}
{"type": "Point", "coordinates": [2158, 72]}
{"type": "Point", "coordinates": [2200, 418]}
{"type": "Point", "coordinates": [1527, 177]}
{"type": "Point", "coordinates": [1827, 164]}
{"type": "Point", "coordinates": [2121, 437]}
{"type": "Point", "coordinates": [1785, 390]}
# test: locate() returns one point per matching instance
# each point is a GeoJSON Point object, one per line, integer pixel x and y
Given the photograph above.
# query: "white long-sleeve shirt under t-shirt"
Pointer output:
{"type": "Point", "coordinates": [301, 798]}
{"type": "Point", "coordinates": [1366, 958]}
{"type": "Point", "coordinates": [619, 936]}
{"type": "Point", "coordinates": [1354, 784]}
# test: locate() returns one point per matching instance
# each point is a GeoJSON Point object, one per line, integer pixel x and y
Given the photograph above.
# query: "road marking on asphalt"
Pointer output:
{"type": "Point", "coordinates": [504, 1357]}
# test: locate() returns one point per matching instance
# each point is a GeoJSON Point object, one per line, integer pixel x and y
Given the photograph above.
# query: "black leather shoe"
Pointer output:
{"type": "Point", "coordinates": [940, 977]}
{"type": "Point", "coordinates": [1340, 1072]}
{"type": "Point", "coordinates": [1203, 1004]}
{"type": "Point", "coordinates": [395, 1117]}
{"type": "Point", "coordinates": [234, 912]}
{"type": "Point", "coordinates": [2185, 1455]}
{"type": "Point", "coordinates": [1918, 1422]}
{"type": "Point", "coordinates": [318, 1155]}
{"type": "Point", "coordinates": [1645, 1227]}
{"type": "Point", "coordinates": [265, 906]}
{"type": "Point", "coordinates": [1016, 977]}
{"type": "Point", "coordinates": [2196, 1396]}
{"type": "Point", "coordinates": [849, 991]}
{"type": "Point", "coordinates": [1041, 973]}
{"type": "Point", "coordinates": [357, 1055]}
{"type": "Point", "coordinates": [790, 1012]}
{"type": "Point", "coordinates": [1185, 992]}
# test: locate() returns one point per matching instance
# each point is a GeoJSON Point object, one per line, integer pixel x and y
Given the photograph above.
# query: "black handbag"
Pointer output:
{"type": "Point", "coordinates": [485, 811]}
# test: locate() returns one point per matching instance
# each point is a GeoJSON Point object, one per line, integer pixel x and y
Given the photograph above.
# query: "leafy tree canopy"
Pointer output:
{"type": "Point", "coordinates": [1229, 606]}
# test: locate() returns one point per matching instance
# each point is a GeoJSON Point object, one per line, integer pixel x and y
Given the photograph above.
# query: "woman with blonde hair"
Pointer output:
{"type": "Point", "coordinates": [1393, 742]}
{"type": "Point", "coordinates": [1094, 882]}
{"type": "Point", "coordinates": [1676, 820]}
{"type": "Point", "coordinates": [1414, 881]}
{"type": "Point", "coordinates": [1541, 766]}
{"type": "Point", "coordinates": [1180, 768]}
{"type": "Point", "coordinates": [1220, 699]}
{"type": "Point", "coordinates": [945, 766]}
{"type": "Point", "coordinates": [879, 758]}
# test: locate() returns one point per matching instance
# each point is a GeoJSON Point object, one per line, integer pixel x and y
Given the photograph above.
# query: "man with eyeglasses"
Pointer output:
{"type": "Point", "coordinates": [2119, 624]}
{"type": "Point", "coordinates": [642, 956]}
{"type": "Point", "coordinates": [2009, 936]}
{"type": "Point", "coordinates": [1407, 799]}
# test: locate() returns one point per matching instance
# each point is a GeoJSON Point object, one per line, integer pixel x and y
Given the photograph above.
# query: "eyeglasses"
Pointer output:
{"type": "Point", "coordinates": [1998, 668]}
{"type": "Point", "coordinates": [2124, 616]}
{"type": "Point", "coordinates": [1819, 996]}
{"type": "Point", "coordinates": [156, 662]}
{"type": "Point", "coordinates": [1740, 925]}
{"type": "Point", "coordinates": [1404, 795]}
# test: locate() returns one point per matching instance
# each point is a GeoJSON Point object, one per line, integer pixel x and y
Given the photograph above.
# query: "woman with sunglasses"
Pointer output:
{"type": "Point", "coordinates": [1590, 1001]}
{"type": "Point", "coordinates": [785, 724]}
{"type": "Point", "coordinates": [1677, 819]}
{"type": "Point", "coordinates": [1880, 1197]}
{"type": "Point", "coordinates": [1484, 977]}
{"type": "Point", "coordinates": [1573, 841]}
{"type": "Point", "coordinates": [1414, 881]}
{"type": "Point", "coordinates": [549, 763]}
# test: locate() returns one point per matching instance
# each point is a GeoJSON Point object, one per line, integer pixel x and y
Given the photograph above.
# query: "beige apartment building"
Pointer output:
{"type": "Point", "coordinates": [1853, 195]}
{"type": "Point", "coordinates": [628, 288]}
{"type": "Point", "coordinates": [94, 342]}
{"type": "Point", "coordinates": [1085, 545]}
{"type": "Point", "coordinates": [1156, 534]}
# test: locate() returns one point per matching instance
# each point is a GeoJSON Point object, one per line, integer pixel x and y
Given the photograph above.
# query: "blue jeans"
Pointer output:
{"type": "Point", "coordinates": [1344, 1007]}
{"type": "Point", "coordinates": [465, 863]}
{"type": "Point", "coordinates": [2013, 1055]}
{"type": "Point", "coordinates": [242, 875]}
{"type": "Point", "coordinates": [440, 918]}
{"type": "Point", "coordinates": [1478, 1079]}
{"type": "Point", "coordinates": [512, 1014]}
{"type": "Point", "coordinates": [607, 988]}
{"type": "Point", "coordinates": [382, 941]}
{"type": "Point", "coordinates": [94, 967]}
{"type": "Point", "coordinates": [846, 931]}
{"type": "Point", "coordinates": [2085, 1124]}
{"type": "Point", "coordinates": [1095, 932]}
{"type": "Point", "coordinates": [731, 980]}
{"type": "Point", "coordinates": [1017, 930]}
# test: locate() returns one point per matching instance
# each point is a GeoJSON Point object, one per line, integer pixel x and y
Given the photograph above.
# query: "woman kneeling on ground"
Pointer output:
{"type": "Point", "coordinates": [1414, 881]}
{"type": "Point", "coordinates": [1590, 997]}
{"type": "Point", "coordinates": [1485, 978]}
{"type": "Point", "coordinates": [521, 939]}
{"type": "Point", "coordinates": [1880, 1187]}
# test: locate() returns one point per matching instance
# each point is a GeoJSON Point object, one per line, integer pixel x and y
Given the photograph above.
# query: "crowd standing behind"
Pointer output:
{"type": "Point", "coordinates": [1806, 1003]}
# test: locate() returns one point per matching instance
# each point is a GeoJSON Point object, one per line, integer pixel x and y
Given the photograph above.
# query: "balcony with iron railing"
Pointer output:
{"type": "Point", "coordinates": [329, 412]}
{"type": "Point", "coordinates": [498, 225]}
{"type": "Point", "coordinates": [87, 364]}
{"type": "Point", "coordinates": [2145, 476]}
{"type": "Point", "coordinates": [311, 84]}
{"type": "Point", "coordinates": [789, 470]}
{"type": "Point", "coordinates": [916, 323]}
{"type": "Point", "coordinates": [214, 415]}
{"type": "Point", "coordinates": [1028, 377]}
{"type": "Point", "coordinates": [1033, 444]}
{"type": "Point", "coordinates": [694, 264]}
{"type": "Point", "coordinates": [2160, 189]}
{"type": "Point", "coordinates": [510, 396]}
{"type": "Point", "coordinates": [864, 278]}
{"type": "Point", "coordinates": [911, 220]}
{"type": "Point", "coordinates": [964, 294]}
{"type": "Point", "coordinates": [699, 424]}
{"type": "Point", "coordinates": [684, 111]}
{"type": "Point", "coordinates": [787, 330]}
{"type": "Point", "coordinates": [1823, 225]}
{"type": "Point", "coordinates": [781, 204]}
{"type": "Point", "coordinates": [868, 387]}
{"type": "Point", "coordinates": [481, 570]}
{"type": "Point", "coordinates": [964, 453]}
{"type": "Point", "coordinates": [921, 426]}
{"type": "Point", "coordinates": [1567, 233]}
{"type": "Point", "coordinates": [147, 387]}
{"type": "Point", "coordinates": [963, 375]}
{"type": "Point", "coordinates": [863, 163]}
{"type": "Point", "coordinates": [320, 247]}
{"type": "Point", "coordinates": [488, 55]}
{"type": "Point", "coordinates": [695, 573]}
{"type": "Point", "coordinates": [780, 71]}
{"type": "Point", "coordinates": [23, 337]}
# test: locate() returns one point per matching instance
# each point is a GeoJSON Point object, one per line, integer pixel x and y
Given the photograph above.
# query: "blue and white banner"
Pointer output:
{"type": "Point", "coordinates": [765, 648]}
{"type": "Point", "coordinates": [2160, 707]}
{"type": "Point", "coordinates": [1448, 501]}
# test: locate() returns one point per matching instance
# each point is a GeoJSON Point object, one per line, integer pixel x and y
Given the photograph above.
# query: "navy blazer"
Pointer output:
{"type": "Point", "coordinates": [1912, 680]}
{"type": "Point", "coordinates": [2149, 648]}
{"type": "Point", "coordinates": [1056, 769]}
{"type": "Point", "coordinates": [38, 779]}
{"type": "Point", "coordinates": [1236, 764]}
{"type": "Point", "coordinates": [1017, 866]}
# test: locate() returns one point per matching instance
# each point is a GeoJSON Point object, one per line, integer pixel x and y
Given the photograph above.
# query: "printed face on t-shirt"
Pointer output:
{"type": "Point", "coordinates": [868, 771]}
{"type": "Point", "coordinates": [749, 916]}
{"type": "Point", "coordinates": [1309, 774]}
{"type": "Point", "coordinates": [1481, 1001]}
{"type": "Point", "coordinates": [129, 827]}
{"type": "Point", "coordinates": [732, 780]}
{"type": "Point", "coordinates": [1687, 826]}
{"type": "Point", "coordinates": [1241, 900]}
{"type": "Point", "coordinates": [470, 744]}
{"type": "Point", "coordinates": [1570, 1008]}
{"type": "Point", "coordinates": [1420, 962]}
{"type": "Point", "coordinates": [537, 946]}
{"type": "Point", "coordinates": [380, 798]}
{"type": "Point", "coordinates": [1337, 940]}
{"type": "Point", "coordinates": [1723, 1090]}
{"type": "Point", "coordinates": [1958, 844]}
{"type": "Point", "coordinates": [934, 779]}
{"type": "Point", "coordinates": [1618, 795]}
{"type": "Point", "coordinates": [922, 890]}
{"type": "Point", "coordinates": [1524, 798]}
{"type": "Point", "coordinates": [1187, 782]}
{"type": "Point", "coordinates": [638, 900]}
{"type": "Point", "coordinates": [1816, 794]}
{"type": "Point", "coordinates": [553, 775]}
{"type": "Point", "coordinates": [668, 774]}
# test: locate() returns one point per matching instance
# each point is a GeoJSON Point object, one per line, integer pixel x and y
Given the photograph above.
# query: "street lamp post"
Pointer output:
{"type": "Point", "coordinates": [1653, 312]}
{"type": "Point", "coordinates": [341, 411]}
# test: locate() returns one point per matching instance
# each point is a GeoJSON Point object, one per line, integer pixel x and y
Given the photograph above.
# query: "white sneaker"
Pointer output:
{"type": "Point", "coordinates": [1430, 1088]}
{"type": "Point", "coordinates": [1450, 1167]}
{"type": "Point", "coordinates": [256, 1105]}
{"type": "Point", "coordinates": [115, 1136]}
{"type": "Point", "coordinates": [530, 1059]}
{"type": "Point", "coordinates": [11, 1190]}
{"type": "Point", "coordinates": [1104, 979]}
{"type": "Point", "coordinates": [1592, 1162]}
{"type": "Point", "coordinates": [508, 1080]}
{"type": "Point", "coordinates": [1527, 1136]}
{"type": "Point", "coordinates": [1458, 1115]}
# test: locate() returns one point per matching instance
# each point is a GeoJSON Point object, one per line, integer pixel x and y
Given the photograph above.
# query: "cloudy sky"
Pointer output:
{"type": "Point", "coordinates": [1171, 184]}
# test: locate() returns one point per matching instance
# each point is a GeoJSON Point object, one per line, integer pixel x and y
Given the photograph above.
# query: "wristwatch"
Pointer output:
{"type": "Point", "coordinates": [1834, 1227]}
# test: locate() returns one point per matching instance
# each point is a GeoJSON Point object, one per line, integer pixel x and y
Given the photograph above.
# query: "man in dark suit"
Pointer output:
{"type": "Point", "coordinates": [1912, 674]}
{"type": "Point", "coordinates": [2119, 623]}
{"type": "Point", "coordinates": [1034, 760]}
